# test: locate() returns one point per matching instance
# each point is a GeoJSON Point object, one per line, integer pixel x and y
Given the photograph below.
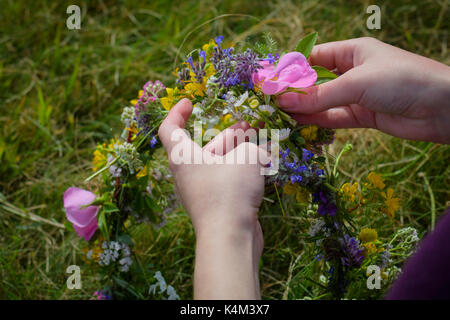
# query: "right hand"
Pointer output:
{"type": "Point", "coordinates": [381, 86]}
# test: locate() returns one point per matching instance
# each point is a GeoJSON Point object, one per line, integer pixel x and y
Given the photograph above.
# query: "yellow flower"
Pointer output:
{"type": "Point", "coordinates": [93, 254]}
{"type": "Point", "coordinates": [376, 180]}
{"type": "Point", "coordinates": [369, 248]}
{"type": "Point", "coordinates": [169, 101]}
{"type": "Point", "coordinates": [99, 160]}
{"type": "Point", "coordinates": [195, 89]}
{"type": "Point", "coordinates": [134, 101]}
{"type": "Point", "coordinates": [309, 133]}
{"type": "Point", "coordinates": [392, 204]}
{"type": "Point", "coordinates": [209, 70]}
{"type": "Point", "coordinates": [350, 190]}
{"type": "Point", "coordinates": [142, 173]}
{"type": "Point", "coordinates": [368, 235]}
{"type": "Point", "coordinates": [209, 47]}
{"type": "Point", "coordinates": [133, 131]}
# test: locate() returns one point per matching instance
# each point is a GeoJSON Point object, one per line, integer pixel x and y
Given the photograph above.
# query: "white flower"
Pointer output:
{"type": "Point", "coordinates": [128, 155]}
{"type": "Point", "coordinates": [265, 108]}
{"type": "Point", "coordinates": [127, 116]}
{"type": "Point", "coordinates": [125, 264]}
{"type": "Point", "coordinates": [284, 133]}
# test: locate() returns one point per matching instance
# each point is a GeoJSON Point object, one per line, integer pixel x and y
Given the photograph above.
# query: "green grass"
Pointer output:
{"type": "Point", "coordinates": [62, 91]}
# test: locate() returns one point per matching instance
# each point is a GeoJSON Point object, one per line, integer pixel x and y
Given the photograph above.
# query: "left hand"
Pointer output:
{"type": "Point", "coordinates": [222, 201]}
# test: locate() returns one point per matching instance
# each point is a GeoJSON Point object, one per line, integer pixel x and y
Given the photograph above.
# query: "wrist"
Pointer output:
{"type": "Point", "coordinates": [225, 222]}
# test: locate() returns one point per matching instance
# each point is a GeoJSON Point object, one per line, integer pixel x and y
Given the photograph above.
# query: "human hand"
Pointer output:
{"type": "Point", "coordinates": [222, 201]}
{"type": "Point", "coordinates": [381, 86]}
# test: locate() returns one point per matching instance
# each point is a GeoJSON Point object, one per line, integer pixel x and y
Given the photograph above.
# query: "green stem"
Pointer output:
{"type": "Point", "coordinates": [279, 200]}
{"type": "Point", "coordinates": [347, 147]}
{"type": "Point", "coordinates": [101, 170]}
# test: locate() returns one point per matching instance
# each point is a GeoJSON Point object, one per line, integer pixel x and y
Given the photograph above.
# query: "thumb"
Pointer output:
{"type": "Point", "coordinates": [171, 129]}
{"type": "Point", "coordinates": [345, 90]}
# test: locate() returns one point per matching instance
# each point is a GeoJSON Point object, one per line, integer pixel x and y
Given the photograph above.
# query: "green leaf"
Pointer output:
{"type": "Point", "coordinates": [306, 44]}
{"type": "Point", "coordinates": [152, 204]}
{"type": "Point", "coordinates": [102, 226]}
{"type": "Point", "coordinates": [110, 207]}
{"type": "Point", "coordinates": [323, 73]}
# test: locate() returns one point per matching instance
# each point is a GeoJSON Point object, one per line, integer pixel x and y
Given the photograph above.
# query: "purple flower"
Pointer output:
{"type": "Point", "coordinates": [353, 253]}
{"type": "Point", "coordinates": [84, 219]}
{"type": "Point", "coordinates": [271, 59]}
{"type": "Point", "coordinates": [326, 204]}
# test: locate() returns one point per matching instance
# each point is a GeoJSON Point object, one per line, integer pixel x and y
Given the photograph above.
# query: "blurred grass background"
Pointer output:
{"type": "Point", "coordinates": [62, 91]}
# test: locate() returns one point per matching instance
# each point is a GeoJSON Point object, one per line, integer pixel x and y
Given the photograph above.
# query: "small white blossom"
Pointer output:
{"type": "Point", "coordinates": [265, 108]}
{"type": "Point", "coordinates": [128, 116]}
{"type": "Point", "coordinates": [128, 155]}
{"type": "Point", "coordinates": [284, 133]}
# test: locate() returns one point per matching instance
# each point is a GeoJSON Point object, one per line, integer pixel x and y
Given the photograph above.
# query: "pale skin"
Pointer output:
{"type": "Point", "coordinates": [381, 87]}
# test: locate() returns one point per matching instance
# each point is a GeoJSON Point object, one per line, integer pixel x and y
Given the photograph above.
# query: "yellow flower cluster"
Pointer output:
{"type": "Point", "coordinates": [93, 254]}
{"type": "Point", "coordinates": [309, 133]}
{"type": "Point", "coordinates": [350, 191]}
{"type": "Point", "coordinates": [375, 186]}
{"type": "Point", "coordinates": [192, 88]}
{"type": "Point", "coordinates": [369, 239]}
{"type": "Point", "coordinates": [392, 204]}
{"type": "Point", "coordinates": [376, 180]}
{"type": "Point", "coordinates": [100, 155]}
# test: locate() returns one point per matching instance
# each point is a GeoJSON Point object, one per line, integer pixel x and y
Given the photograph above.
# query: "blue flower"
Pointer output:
{"type": "Point", "coordinates": [270, 58]}
{"type": "Point", "coordinates": [153, 142]}
{"type": "Point", "coordinates": [191, 62]}
{"type": "Point", "coordinates": [284, 154]}
{"type": "Point", "coordinates": [218, 40]}
{"type": "Point", "coordinates": [301, 168]}
{"type": "Point", "coordinates": [296, 178]}
{"type": "Point", "coordinates": [202, 54]}
{"type": "Point", "coordinates": [306, 155]}
{"type": "Point", "coordinates": [228, 51]}
{"type": "Point", "coordinates": [318, 257]}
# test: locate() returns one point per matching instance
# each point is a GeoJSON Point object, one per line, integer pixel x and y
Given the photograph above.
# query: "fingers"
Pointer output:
{"type": "Point", "coordinates": [230, 138]}
{"type": "Point", "coordinates": [345, 90]}
{"type": "Point", "coordinates": [335, 55]}
{"type": "Point", "coordinates": [171, 130]}
{"type": "Point", "coordinates": [249, 154]}
{"type": "Point", "coordinates": [340, 117]}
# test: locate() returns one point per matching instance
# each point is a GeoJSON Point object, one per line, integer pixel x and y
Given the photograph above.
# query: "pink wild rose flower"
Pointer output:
{"type": "Point", "coordinates": [84, 220]}
{"type": "Point", "coordinates": [292, 71]}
